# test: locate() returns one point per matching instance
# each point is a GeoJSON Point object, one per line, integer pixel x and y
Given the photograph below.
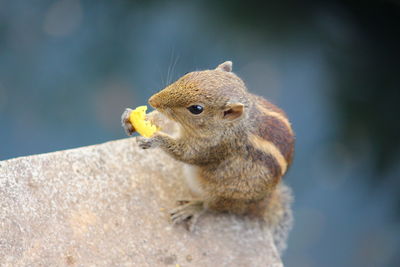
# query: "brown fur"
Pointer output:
{"type": "Point", "coordinates": [236, 174]}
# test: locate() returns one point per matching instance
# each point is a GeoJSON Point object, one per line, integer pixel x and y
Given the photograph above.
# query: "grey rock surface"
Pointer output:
{"type": "Point", "coordinates": [107, 205]}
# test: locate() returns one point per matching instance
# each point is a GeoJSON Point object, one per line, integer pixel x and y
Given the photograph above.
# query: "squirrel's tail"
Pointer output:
{"type": "Point", "coordinates": [279, 216]}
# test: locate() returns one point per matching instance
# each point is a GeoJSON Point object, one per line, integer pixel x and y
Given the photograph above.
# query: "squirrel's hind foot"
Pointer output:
{"type": "Point", "coordinates": [188, 212]}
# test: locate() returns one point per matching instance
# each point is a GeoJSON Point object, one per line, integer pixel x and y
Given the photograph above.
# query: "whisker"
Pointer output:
{"type": "Point", "coordinates": [169, 68]}
{"type": "Point", "coordinates": [161, 77]}
{"type": "Point", "coordinates": [173, 67]}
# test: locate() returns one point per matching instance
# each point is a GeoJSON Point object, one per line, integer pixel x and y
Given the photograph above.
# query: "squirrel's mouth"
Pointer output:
{"type": "Point", "coordinates": [168, 113]}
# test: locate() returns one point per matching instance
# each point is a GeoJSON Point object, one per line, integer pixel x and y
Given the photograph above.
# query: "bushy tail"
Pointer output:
{"type": "Point", "coordinates": [279, 216]}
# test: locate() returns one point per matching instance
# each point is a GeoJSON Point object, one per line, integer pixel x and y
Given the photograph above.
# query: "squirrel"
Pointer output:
{"type": "Point", "coordinates": [237, 147]}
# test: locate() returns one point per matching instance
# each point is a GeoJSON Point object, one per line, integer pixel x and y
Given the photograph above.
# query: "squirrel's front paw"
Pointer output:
{"type": "Point", "coordinates": [144, 142]}
{"type": "Point", "coordinates": [126, 124]}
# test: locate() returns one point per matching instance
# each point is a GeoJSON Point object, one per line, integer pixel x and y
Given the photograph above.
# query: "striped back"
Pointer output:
{"type": "Point", "coordinates": [272, 138]}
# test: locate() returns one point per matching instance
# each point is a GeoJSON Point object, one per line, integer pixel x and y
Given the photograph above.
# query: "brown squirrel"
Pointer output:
{"type": "Point", "coordinates": [237, 146]}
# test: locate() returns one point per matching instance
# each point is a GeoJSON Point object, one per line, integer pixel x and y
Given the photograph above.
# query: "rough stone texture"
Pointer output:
{"type": "Point", "coordinates": [106, 205]}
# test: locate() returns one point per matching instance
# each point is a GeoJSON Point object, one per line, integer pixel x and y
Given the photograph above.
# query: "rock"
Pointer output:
{"type": "Point", "coordinates": [107, 205]}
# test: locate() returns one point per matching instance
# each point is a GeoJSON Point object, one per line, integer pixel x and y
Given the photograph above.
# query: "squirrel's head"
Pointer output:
{"type": "Point", "coordinates": [203, 101]}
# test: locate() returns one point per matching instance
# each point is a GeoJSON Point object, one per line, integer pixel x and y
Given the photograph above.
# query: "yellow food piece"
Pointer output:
{"type": "Point", "coordinates": [138, 120]}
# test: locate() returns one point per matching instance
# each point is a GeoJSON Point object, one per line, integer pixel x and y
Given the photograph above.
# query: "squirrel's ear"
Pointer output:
{"type": "Point", "coordinates": [233, 111]}
{"type": "Point", "coordinates": [226, 66]}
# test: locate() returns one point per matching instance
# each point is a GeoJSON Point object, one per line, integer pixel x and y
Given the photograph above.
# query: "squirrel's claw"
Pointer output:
{"type": "Point", "coordinates": [144, 142]}
{"type": "Point", "coordinates": [188, 212]}
{"type": "Point", "coordinates": [182, 202]}
{"type": "Point", "coordinates": [126, 124]}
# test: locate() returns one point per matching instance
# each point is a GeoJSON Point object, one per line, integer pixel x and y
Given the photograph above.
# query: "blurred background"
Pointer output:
{"type": "Point", "coordinates": [68, 69]}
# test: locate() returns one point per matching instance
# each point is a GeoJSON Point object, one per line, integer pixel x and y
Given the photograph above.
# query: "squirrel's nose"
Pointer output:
{"type": "Point", "coordinates": [153, 102]}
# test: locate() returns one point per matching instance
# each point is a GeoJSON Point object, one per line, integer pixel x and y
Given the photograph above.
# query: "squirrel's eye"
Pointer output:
{"type": "Point", "coordinates": [195, 109]}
